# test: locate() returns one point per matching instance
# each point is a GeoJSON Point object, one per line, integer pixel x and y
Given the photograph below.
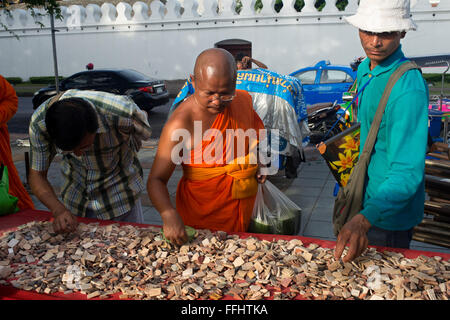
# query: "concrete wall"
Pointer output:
{"type": "Point", "coordinates": [161, 42]}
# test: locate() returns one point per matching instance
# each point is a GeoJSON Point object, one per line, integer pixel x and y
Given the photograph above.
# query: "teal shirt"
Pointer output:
{"type": "Point", "coordinates": [395, 192]}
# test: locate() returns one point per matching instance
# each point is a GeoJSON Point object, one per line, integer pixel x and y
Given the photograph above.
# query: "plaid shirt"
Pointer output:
{"type": "Point", "coordinates": [108, 177]}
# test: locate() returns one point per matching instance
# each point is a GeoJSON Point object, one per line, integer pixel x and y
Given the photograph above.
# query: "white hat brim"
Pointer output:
{"type": "Point", "coordinates": [373, 23]}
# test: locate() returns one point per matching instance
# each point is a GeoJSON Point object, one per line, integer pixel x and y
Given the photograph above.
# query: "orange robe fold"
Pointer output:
{"type": "Point", "coordinates": [8, 107]}
{"type": "Point", "coordinates": [220, 195]}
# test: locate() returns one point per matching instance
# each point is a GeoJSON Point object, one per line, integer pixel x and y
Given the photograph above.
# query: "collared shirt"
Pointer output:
{"type": "Point", "coordinates": [394, 194]}
{"type": "Point", "coordinates": [108, 177]}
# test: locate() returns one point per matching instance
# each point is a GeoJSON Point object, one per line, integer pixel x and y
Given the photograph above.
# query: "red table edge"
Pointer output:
{"type": "Point", "coordinates": [12, 221]}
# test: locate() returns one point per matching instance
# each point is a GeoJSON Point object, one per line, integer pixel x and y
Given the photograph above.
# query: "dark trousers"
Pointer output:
{"type": "Point", "coordinates": [387, 238]}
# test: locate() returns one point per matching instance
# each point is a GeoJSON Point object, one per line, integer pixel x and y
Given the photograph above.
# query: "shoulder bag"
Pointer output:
{"type": "Point", "coordinates": [349, 199]}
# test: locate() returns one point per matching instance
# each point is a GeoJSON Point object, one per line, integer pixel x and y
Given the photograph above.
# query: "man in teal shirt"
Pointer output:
{"type": "Point", "coordinates": [394, 191]}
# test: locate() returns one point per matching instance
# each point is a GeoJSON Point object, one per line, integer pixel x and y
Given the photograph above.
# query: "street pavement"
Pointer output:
{"type": "Point", "coordinates": [312, 190]}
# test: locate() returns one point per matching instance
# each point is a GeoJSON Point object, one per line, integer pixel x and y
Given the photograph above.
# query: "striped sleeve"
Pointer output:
{"type": "Point", "coordinates": [42, 151]}
{"type": "Point", "coordinates": [141, 128]}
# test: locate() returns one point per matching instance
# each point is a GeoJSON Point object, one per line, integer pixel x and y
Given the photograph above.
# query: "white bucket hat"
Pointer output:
{"type": "Point", "coordinates": [383, 16]}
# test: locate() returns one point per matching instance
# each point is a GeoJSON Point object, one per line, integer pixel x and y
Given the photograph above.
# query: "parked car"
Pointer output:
{"type": "Point", "coordinates": [146, 92]}
{"type": "Point", "coordinates": [325, 82]}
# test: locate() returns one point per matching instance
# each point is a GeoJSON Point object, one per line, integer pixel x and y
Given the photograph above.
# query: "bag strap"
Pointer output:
{"type": "Point", "coordinates": [55, 98]}
{"type": "Point", "coordinates": [348, 106]}
{"type": "Point", "coordinates": [372, 136]}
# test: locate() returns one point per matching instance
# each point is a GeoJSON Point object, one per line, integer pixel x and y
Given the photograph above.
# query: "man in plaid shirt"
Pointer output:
{"type": "Point", "coordinates": [99, 135]}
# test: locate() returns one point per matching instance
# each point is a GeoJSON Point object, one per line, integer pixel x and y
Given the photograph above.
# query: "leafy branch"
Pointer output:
{"type": "Point", "coordinates": [50, 7]}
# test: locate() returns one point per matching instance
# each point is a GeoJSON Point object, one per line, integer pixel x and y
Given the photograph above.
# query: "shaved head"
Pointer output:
{"type": "Point", "coordinates": [215, 62]}
{"type": "Point", "coordinates": [214, 79]}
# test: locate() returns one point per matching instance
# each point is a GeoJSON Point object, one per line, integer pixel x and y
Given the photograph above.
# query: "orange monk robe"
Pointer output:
{"type": "Point", "coordinates": [209, 198]}
{"type": "Point", "coordinates": [8, 107]}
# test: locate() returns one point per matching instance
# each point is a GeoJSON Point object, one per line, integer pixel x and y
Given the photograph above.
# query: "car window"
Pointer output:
{"type": "Point", "coordinates": [133, 75]}
{"type": "Point", "coordinates": [306, 77]}
{"type": "Point", "coordinates": [77, 81]}
{"type": "Point", "coordinates": [335, 76]}
{"type": "Point", "coordinates": [102, 79]}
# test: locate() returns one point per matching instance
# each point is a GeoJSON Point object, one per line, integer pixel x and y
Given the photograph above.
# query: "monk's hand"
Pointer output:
{"type": "Point", "coordinates": [354, 232]}
{"type": "Point", "coordinates": [261, 178]}
{"type": "Point", "coordinates": [173, 227]}
{"type": "Point", "coordinates": [64, 221]}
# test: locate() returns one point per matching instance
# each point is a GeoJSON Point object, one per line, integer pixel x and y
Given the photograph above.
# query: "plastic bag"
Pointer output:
{"type": "Point", "coordinates": [8, 203]}
{"type": "Point", "coordinates": [274, 212]}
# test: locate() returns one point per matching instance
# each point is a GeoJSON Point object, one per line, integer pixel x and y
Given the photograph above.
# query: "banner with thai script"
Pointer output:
{"type": "Point", "coordinates": [269, 82]}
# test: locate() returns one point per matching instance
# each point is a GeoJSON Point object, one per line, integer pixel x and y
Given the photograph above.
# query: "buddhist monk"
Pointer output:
{"type": "Point", "coordinates": [8, 107]}
{"type": "Point", "coordinates": [219, 183]}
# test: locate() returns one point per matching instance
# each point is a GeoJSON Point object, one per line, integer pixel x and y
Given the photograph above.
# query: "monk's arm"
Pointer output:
{"type": "Point", "coordinates": [161, 171]}
{"type": "Point", "coordinates": [8, 101]}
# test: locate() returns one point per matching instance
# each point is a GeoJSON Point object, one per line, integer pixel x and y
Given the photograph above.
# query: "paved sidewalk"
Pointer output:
{"type": "Point", "coordinates": [312, 190]}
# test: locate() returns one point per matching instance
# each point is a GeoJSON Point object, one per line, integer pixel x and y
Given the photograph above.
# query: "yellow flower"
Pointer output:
{"type": "Point", "coordinates": [345, 161]}
{"type": "Point", "coordinates": [350, 144]}
{"type": "Point", "coordinates": [344, 178]}
{"type": "Point", "coordinates": [333, 166]}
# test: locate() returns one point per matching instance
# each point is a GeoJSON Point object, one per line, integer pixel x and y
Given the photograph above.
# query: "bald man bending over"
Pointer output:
{"type": "Point", "coordinates": [213, 135]}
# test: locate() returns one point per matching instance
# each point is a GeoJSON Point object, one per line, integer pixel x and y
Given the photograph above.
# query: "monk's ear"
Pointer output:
{"type": "Point", "coordinates": [191, 77]}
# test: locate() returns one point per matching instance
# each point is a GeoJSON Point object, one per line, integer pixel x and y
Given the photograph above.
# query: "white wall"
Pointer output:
{"type": "Point", "coordinates": [165, 44]}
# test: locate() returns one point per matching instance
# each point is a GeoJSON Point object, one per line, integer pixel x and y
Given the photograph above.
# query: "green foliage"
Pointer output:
{"type": "Point", "coordinates": [50, 6]}
{"type": "Point", "coordinates": [278, 5]}
{"type": "Point", "coordinates": [299, 4]}
{"type": "Point", "coordinates": [44, 80]}
{"type": "Point", "coordinates": [320, 4]}
{"type": "Point", "coordinates": [14, 80]}
{"type": "Point", "coordinates": [340, 4]}
{"type": "Point", "coordinates": [436, 78]}
{"type": "Point", "coordinates": [238, 7]}
{"type": "Point", "coordinates": [258, 5]}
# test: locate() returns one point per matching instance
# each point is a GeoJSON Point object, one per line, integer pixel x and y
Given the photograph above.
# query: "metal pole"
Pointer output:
{"type": "Point", "coordinates": [27, 168]}
{"type": "Point", "coordinates": [444, 137]}
{"type": "Point", "coordinates": [55, 62]}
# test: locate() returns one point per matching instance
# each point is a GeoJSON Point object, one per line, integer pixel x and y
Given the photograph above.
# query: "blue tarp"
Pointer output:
{"type": "Point", "coordinates": [268, 82]}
